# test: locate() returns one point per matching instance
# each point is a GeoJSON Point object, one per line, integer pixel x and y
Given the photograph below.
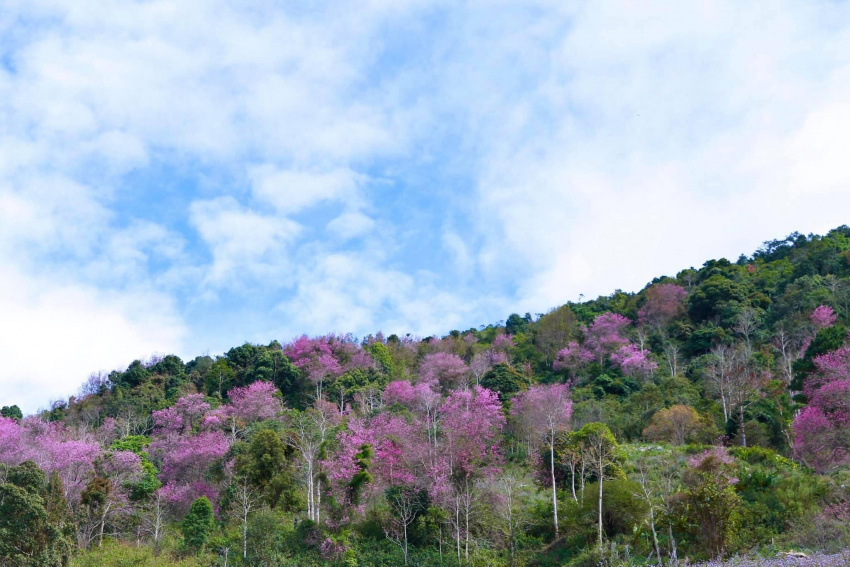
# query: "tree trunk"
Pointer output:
{"type": "Point", "coordinates": [457, 526]}
{"type": "Point", "coordinates": [245, 535]}
{"type": "Point", "coordinates": [573, 480]}
{"type": "Point", "coordinates": [743, 427]}
{"type": "Point", "coordinates": [466, 523]}
{"type": "Point", "coordinates": [318, 502]}
{"type": "Point", "coordinates": [654, 535]}
{"type": "Point", "coordinates": [405, 542]}
{"type": "Point", "coordinates": [673, 552]}
{"type": "Point", "coordinates": [581, 482]}
{"type": "Point", "coordinates": [552, 471]}
{"type": "Point", "coordinates": [601, 475]}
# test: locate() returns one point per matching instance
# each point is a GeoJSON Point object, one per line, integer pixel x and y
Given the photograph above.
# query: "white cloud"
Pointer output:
{"type": "Point", "coordinates": [56, 335]}
{"type": "Point", "coordinates": [243, 243]}
{"type": "Point", "coordinates": [355, 292]}
{"type": "Point", "coordinates": [351, 225]}
{"type": "Point", "coordinates": [659, 136]}
{"type": "Point", "coordinates": [293, 191]}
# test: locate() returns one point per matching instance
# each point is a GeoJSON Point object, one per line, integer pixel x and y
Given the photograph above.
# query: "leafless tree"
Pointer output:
{"type": "Point", "coordinates": [154, 518]}
{"type": "Point", "coordinates": [246, 499]}
{"type": "Point", "coordinates": [405, 505]}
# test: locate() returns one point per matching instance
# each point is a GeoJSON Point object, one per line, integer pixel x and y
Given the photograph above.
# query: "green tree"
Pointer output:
{"type": "Point", "coordinates": [505, 380]}
{"type": "Point", "coordinates": [599, 449]}
{"type": "Point", "coordinates": [382, 357]}
{"type": "Point", "coordinates": [27, 538]}
{"type": "Point", "coordinates": [28, 476]}
{"type": "Point", "coordinates": [709, 506]}
{"type": "Point", "coordinates": [198, 524]}
{"type": "Point", "coordinates": [12, 411]}
{"type": "Point", "coordinates": [266, 467]}
{"type": "Point", "coordinates": [554, 331]}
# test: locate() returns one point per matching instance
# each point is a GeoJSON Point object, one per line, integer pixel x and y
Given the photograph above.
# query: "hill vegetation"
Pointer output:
{"type": "Point", "coordinates": [704, 416]}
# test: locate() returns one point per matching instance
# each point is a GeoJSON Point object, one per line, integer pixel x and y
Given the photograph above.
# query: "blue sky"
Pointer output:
{"type": "Point", "coordinates": [185, 176]}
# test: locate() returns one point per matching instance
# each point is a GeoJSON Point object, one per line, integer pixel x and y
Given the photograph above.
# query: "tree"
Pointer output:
{"type": "Point", "coordinates": [554, 331]}
{"type": "Point", "coordinates": [634, 361]}
{"type": "Point", "coordinates": [405, 504]}
{"type": "Point", "coordinates": [307, 433]}
{"type": "Point", "coordinates": [823, 317]}
{"type": "Point", "coordinates": [13, 412]}
{"type": "Point", "coordinates": [542, 412]}
{"type": "Point", "coordinates": [27, 539]}
{"type": "Point", "coordinates": [316, 358]}
{"type": "Point", "coordinates": [573, 357]}
{"type": "Point", "coordinates": [446, 369]}
{"type": "Point", "coordinates": [505, 380]}
{"type": "Point", "coordinates": [743, 386]}
{"type": "Point", "coordinates": [96, 499]}
{"type": "Point", "coordinates": [27, 536]}
{"type": "Point", "coordinates": [721, 364]}
{"type": "Point", "coordinates": [822, 436]}
{"type": "Point", "coordinates": [246, 499]}
{"type": "Point", "coordinates": [664, 302]}
{"type": "Point", "coordinates": [255, 402]}
{"type": "Point", "coordinates": [605, 335]}
{"type": "Point", "coordinates": [198, 524]}
{"type": "Point", "coordinates": [153, 517]}
{"type": "Point", "coordinates": [647, 493]}
{"type": "Point", "coordinates": [600, 449]}
{"type": "Point", "coordinates": [511, 495]}
{"type": "Point", "coordinates": [266, 466]}
{"type": "Point", "coordinates": [515, 324]}
{"type": "Point", "coordinates": [471, 421]}
{"type": "Point", "coordinates": [709, 504]}
{"type": "Point", "coordinates": [677, 425]}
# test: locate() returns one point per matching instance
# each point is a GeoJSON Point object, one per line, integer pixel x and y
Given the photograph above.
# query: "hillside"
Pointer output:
{"type": "Point", "coordinates": [703, 416]}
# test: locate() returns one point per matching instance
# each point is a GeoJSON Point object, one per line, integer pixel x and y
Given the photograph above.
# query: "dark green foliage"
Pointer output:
{"type": "Point", "coordinates": [362, 477]}
{"type": "Point", "coordinates": [516, 324]}
{"type": "Point", "coordinates": [198, 525]}
{"type": "Point", "coordinates": [12, 411]}
{"type": "Point", "coordinates": [718, 299]}
{"type": "Point", "coordinates": [267, 463]}
{"type": "Point", "coordinates": [28, 476]}
{"type": "Point", "coordinates": [826, 340]}
{"type": "Point", "coordinates": [28, 538]}
{"type": "Point", "coordinates": [504, 379]}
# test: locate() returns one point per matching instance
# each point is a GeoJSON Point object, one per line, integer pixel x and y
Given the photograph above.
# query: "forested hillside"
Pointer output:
{"type": "Point", "coordinates": [706, 415]}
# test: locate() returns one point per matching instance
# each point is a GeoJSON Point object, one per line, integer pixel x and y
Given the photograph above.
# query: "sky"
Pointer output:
{"type": "Point", "coordinates": [184, 176]}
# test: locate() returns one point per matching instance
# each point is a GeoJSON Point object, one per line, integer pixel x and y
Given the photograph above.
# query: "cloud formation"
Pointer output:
{"type": "Point", "coordinates": [182, 176]}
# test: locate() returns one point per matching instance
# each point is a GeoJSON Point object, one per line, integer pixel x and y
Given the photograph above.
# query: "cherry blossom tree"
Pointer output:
{"type": "Point", "coordinates": [606, 335]}
{"type": "Point", "coordinates": [572, 358]}
{"type": "Point", "coordinates": [256, 402]}
{"type": "Point", "coordinates": [543, 411]}
{"type": "Point", "coordinates": [822, 317]}
{"type": "Point", "coordinates": [823, 428]}
{"type": "Point", "coordinates": [664, 302]}
{"type": "Point", "coordinates": [471, 422]}
{"type": "Point", "coordinates": [634, 361]}
{"type": "Point", "coordinates": [316, 358]}
{"type": "Point", "coordinates": [447, 370]}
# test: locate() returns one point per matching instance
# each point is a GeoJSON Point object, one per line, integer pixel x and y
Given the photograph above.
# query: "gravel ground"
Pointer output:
{"type": "Point", "coordinates": [788, 560]}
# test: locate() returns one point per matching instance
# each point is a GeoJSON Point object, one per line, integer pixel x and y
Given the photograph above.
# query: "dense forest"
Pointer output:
{"type": "Point", "coordinates": [705, 416]}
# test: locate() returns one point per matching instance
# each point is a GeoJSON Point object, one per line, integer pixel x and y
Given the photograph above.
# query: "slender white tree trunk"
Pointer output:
{"type": "Point", "coordinates": [552, 471]}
